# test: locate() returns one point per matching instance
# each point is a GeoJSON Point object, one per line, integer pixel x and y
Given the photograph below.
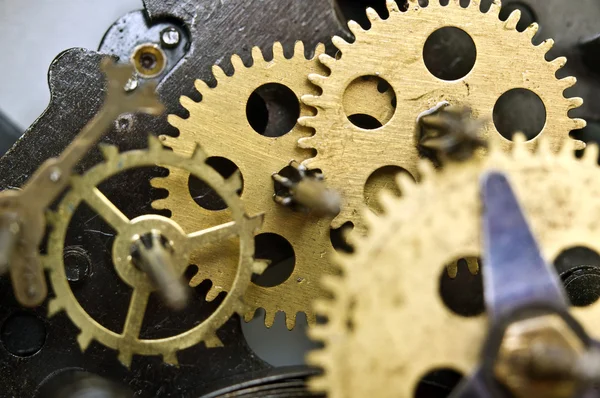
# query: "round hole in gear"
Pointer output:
{"type": "Point", "coordinates": [579, 270]}
{"type": "Point", "coordinates": [449, 53]}
{"type": "Point", "coordinates": [368, 102]}
{"type": "Point", "coordinates": [527, 15]}
{"type": "Point", "coordinates": [203, 194]}
{"type": "Point", "coordinates": [23, 334]}
{"type": "Point", "coordinates": [381, 179]}
{"type": "Point", "coordinates": [273, 110]}
{"type": "Point", "coordinates": [337, 236]}
{"type": "Point", "coordinates": [437, 383]}
{"type": "Point", "coordinates": [519, 110]}
{"type": "Point", "coordinates": [280, 253]}
{"type": "Point", "coordinates": [463, 294]}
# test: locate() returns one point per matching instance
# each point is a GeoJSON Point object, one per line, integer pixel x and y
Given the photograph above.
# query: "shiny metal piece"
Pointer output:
{"type": "Point", "coordinates": [153, 254]}
{"type": "Point", "coordinates": [308, 192]}
{"type": "Point", "coordinates": [52, 177]}
{"type": "Point", "coordinates": [170, 37]}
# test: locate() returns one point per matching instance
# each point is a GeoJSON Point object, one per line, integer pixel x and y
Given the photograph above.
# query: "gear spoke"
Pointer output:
{"type": "Point", "coordinates": [135, 314]}
{"type": "Point", "coordinates": [213, 235]}
{"type": "Point", "coordinates": [105, 208]}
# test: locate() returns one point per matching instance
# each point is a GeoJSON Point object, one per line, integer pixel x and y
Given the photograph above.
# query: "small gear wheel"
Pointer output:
{"type": "Point", "coordinates": [393, 50]}
{"type": "Point", "coordinates": [220, 123]}
{"type": "Point", "coordinates": [84, 190]}
{"type": "Point", "coordinates": [388, 324]}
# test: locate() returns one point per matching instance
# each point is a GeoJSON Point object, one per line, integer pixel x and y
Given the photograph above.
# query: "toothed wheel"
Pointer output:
{"type": "Point", "coordinates": [220, 123]}
{"type": "Point", "coordinates": [84, 190]}
{"type": "Point", "coordinates": [388, 324]}
{"type": "Point", "coordinates": [393, 50]}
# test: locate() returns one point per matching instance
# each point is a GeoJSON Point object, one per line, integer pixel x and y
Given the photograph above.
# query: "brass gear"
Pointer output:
{"type": "Point", "coordinates": [392, 50]}
{"type": "Point", "coordinates": [83, 189]}
{"type": "Point", "coordinates": [387, 323]}
{"type": "Point", "coordinates": [219, 123]}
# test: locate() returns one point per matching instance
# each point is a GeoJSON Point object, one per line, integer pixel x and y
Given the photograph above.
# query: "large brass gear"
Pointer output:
{"type": "Point", "coordinates": [388, 325]}
{"type": "Point", "coordinates": [83, 189]}
{"type": "Point", "coordinates": [219, 123]}
{"type": "Point", "coordinates": [392, 49]}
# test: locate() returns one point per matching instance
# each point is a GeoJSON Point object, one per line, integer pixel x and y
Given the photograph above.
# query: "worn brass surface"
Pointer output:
{"type": "Point", "coordinates": [537, 358]}
{"type": "Point", "coordinates": [84, 189]}
{"type": "Point", "coordinates": [392, 49]}
{"type": "Point", "coordinates": [52, 177]}
{"type": "Point", "coordinates": [220, 125]}
{"type": "Point", "coordinates": [388, 325]}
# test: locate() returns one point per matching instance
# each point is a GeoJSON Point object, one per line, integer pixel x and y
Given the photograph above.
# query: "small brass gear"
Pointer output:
{"type": "Point", "coordinates": [219, 123]}
{"type": "Point", "coordinates": [392, 49]}
{"type": "Point", "coordinates": [388, 325]}
{"type": "Point", "coordinates": [84, 189]}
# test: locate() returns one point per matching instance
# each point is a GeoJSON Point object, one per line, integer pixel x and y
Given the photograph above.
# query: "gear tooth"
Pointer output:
{"type": "Point", "coordinates": [568, 82]}
{"type": "Point", "coordinates": [319, 50]}
{"type": "Point", "coordinates": [159, 182]}
{"type": "Point", "coordinates": [519, 147]}
{"type": "Point", "coordinates": [322, 307]}
{"type": "Point", "coordinates": [327, 60]}
{"type": "Point", "coordinates": [278, 51]}
{"type": "Point", "coordinates": [332, 283]}
{"type": "Point", "coordinates": [317, 384]}
{"type": "Point", "coordinates": [269, 318]}
{"type": "Point", "coordinates": [201, 86]}
{"type": "Point", "coordinates": [160, 204]}
{"type": "Point", "coordinates": [320, 333]}
{"type": "Point", "coordinates": [235, 181]}
{"type": "Point", "coordinates": [452, 269]}
{"type": "Point", "coordinates": [405, 183]}
{"type": "Point", "coordinates": [237, 63]}
{"type": "Point", "coordinates": [249, 315]}
{"type": "Point", "coordinates": [425, 168]}
{"type": "Point", "coordinates": [170, 357]}
{"type": "Point", "coordinates": [310, 100]}
{"type": "Point", "coordinates": [543, 148]}
{"type": "Point", "coordinates": [218, 73]}
{"type": "Point", "coordinates": [579, 145]}
{"type": "Point", "coordinates": [154, 145]}
{"type": "Point", "coordinates": [84, 339]}
{"type": "Point", "coordinates": [590, 155]}
{"type": "Point", "coordinates": [513, 20]}
{"type": "Point", "coordinates": [392, 6]}
{"type": "Point", "coordinates": [388, 201]}
{"type": "Point", "coordinates": [176, 121]}
{"type": "Point", "coordinates": [354, 27]}
{"type": "Point", "coordinates": [372, 15]}
{"type": "Point", "coordinates": [473, 265]}
{"type": "Point", "coordinates": [532, 30]}
{"type": "Point", "coordinates": [257, 55]}
{"type": "Point", "coordinates": [567, 151]}
{"type": "Point", "coordinates": [475, 3]}
{"type": "Point", "coordinates": [187, 102]}
{"type": "Point", "coordinates": [371, 219]}
{"type": "Point", "coordinates": [299, 48]}
{"type": "Point", "coordinates": [260, 265]}
{"type": "Point", "coordinates": [495, 7]}
{"type": "Point", "coordinates": [306, 121]}
{"type": "Point", "coordinates": [339, 43]}
{"type": "Point", "coordinates": [109, 152]}
{"type": "Point", "coordinates": [213, 341]}
{"type": "Point", "coordinates": [290, 321]}
{"type": "Point", "coordinates": [317, 80]}
{"type": "Point", "coordinates": [125, 358]}
{"type": "Point", "coordinates": [54, 307]}
{"type": "Point", "coordinates": [578, 124]}
{"type": "Point", "coordinates": [212, 293]}
{"type": "Point", "coordinates": [199, 155]}
{"type": "Point", "coordinates": [311, 318]}
{"type": "Point", "coordinates": [558, 63]}
{"type": "Point", "coordinates": [546, 45]}
{"type": "Point", "coordinates": [575, 102]}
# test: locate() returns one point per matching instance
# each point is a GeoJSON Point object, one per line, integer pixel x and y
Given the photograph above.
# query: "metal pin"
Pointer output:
{"type": "Point", "coordinates": [153, 254]}
{"type": "Point", "coordinates": [9, 234]}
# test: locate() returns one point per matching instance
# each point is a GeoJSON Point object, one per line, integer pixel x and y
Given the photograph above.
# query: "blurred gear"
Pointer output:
{"type": "Point", "coordinates": [381, 303]}
{"type": "Point", "coordinates": [219, 122]}
{"type": "Point", "coordinates": [348, 154]}
{"type": "Point", "coordinates": [22, 223]}
{"type": "Point", "coordinates": [84, 189]}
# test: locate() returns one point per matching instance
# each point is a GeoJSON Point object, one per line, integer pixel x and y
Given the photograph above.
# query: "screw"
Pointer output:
{"type": "Point", "coordinates": [170, 37]}
{"type": "Point", "coordinates": [55, 175]}
{"type": "Point", "coordinates": [124, 123]}
{"type": "Point", "coordinates": [131, 84]}
{"type": "Point", "coordinates": [77, 263]}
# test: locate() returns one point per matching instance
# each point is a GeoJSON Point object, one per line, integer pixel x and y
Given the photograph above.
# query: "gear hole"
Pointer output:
{"type": "Point", "coordinates": [449, 53]}
{"type": "Point", "coordinates": [579, 270]}
{"type": "Point", "coordinates": [23, 334]}
{"type": "Point", "coordinates": [280, 252]}
{"type": "Point", "coordinates": [338, 240]}
{"type": "Point", "coordinates": [527, 15]}
{"type": "Point", "coordinates": [519, 110]}
{"type": "Point", "coordinates": [382, 179]}
{"type": "Point", "coordinates": [369, 102]}
{"type": "Point", "coordinates": [203, 194]}
{"type": "Point", "coordinates": [273, 110]}
{"type": "Point", "coordinates": [277, 345]}
{"type": "Point", "coordinates": [462, 291]}
{"type": "Point", "coordinates": [438, 383]}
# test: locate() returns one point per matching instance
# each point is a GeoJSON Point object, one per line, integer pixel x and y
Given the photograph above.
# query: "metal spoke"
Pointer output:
{"type": "Point", "coordinates": [105, 208]}
{"type": "Point", "coordinates": [213, 234]}
{"type": "Point", "coordinates": [135, 314]}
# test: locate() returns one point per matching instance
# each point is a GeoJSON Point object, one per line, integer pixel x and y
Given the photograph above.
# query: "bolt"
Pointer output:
{"type": "Point", "coordinates": [124, 123]}
{"type": "Point", "coordinates": [77, 262]}
{"type": "Point", "coordinates": [170, 37]}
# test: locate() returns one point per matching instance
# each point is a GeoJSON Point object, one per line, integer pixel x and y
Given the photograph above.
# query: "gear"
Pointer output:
{"type": "Point", "coordinates": [392, 49]}
{"type": "Point", "coordinates": [388, 325]}
{"type": "Point", "coordinates": [219, 122]}
{"type": "Point", "coordinates": [84, 190]}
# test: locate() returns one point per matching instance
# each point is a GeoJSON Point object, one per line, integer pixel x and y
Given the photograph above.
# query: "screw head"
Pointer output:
{"type": "Point", "coordinates": [170, 37]}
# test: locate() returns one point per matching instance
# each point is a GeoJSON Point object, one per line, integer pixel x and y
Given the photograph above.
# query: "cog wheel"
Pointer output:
{"type": "Point", "coordinates": [219, 122]}
{"type": "Point", "coordinates": [348, 155]}
{"type": "Point", "coordinates": [388, 324]}
{"type": "Point", "coordinates": [83, 189]}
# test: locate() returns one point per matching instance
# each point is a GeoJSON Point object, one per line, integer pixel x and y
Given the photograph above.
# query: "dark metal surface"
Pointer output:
{"type": "Point", "coordinates": [9, 133]}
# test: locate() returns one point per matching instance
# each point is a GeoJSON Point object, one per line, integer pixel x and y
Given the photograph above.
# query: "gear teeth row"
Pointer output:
{"type": "Point", "coordinates": [289, 316]}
